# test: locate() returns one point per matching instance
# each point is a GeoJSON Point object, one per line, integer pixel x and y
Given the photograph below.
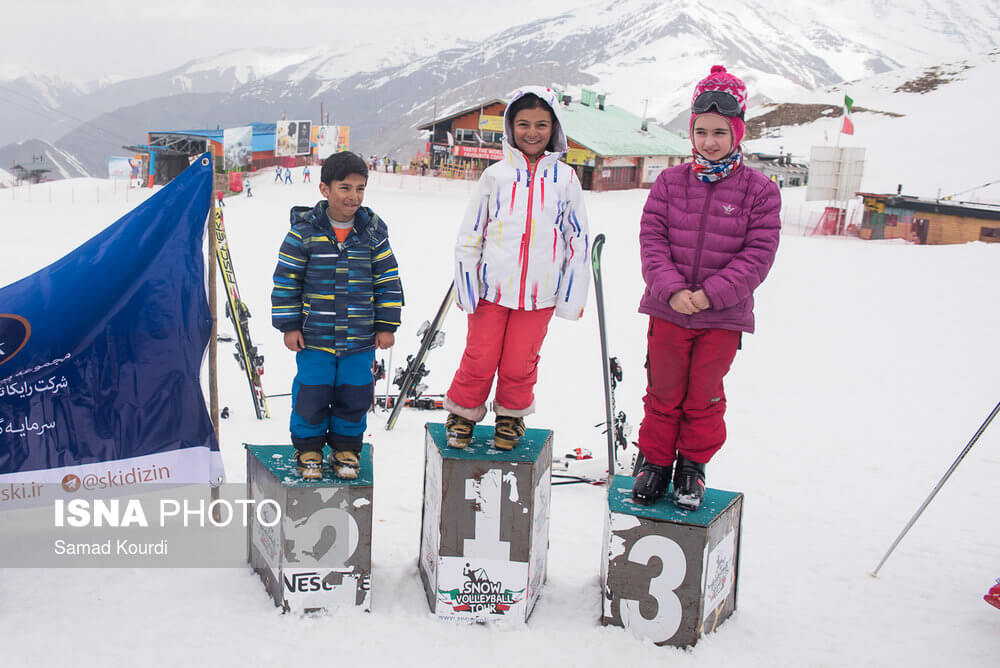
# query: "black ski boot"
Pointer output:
{"type": "Point", "coordinates": [650, 483]}
{"type": "Point", "coordinates": [689, 483]}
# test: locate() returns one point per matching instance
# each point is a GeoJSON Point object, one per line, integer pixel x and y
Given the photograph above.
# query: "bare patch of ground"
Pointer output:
{"type": "Point", "coordinates": [931, 79]}
{"type": "Point", "coordinates": [789, 113]}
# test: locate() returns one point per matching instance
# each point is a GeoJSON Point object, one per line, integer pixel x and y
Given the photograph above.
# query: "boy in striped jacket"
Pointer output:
{"type": "Point", "coordinates": [337, 297]}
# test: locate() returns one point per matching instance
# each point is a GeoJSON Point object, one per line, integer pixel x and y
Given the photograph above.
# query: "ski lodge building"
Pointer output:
{"type": "Point", "coordinates": [167, 152]}
{"type": "Point", "coordinates": [610, 148]}
{"type": "Point", "coordinates": [928, 221]}
{"type": "Point", "coordinates": [779, 168]}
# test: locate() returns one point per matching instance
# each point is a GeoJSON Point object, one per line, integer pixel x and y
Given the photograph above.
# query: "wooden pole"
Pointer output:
{"type": "Point", "coordinates": [213, 353]}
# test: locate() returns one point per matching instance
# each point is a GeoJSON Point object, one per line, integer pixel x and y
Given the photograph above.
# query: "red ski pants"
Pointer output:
{"type": "Point", "coordinates": [506, 343]}
{"type": "Point", "coordinates": [685, 402]}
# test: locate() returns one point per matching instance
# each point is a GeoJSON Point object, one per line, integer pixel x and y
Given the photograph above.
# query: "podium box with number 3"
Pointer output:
{"type": "Point", "coordinates": [317, 553]}
{"type": "Point", "coordinates": [485, 529]}
{"type": "Point", "coordinates": [668, 575]}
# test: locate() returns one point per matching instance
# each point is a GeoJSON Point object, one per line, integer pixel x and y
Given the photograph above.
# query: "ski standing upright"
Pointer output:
{"type": "Point", "coordinates": [246, 352]}
{"type": "Point", "coordinates": [615, 422]}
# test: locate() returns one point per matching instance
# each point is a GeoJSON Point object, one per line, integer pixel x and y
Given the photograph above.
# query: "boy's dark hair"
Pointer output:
{"type": "Point", "coordinates": [341, 165]}
{"type": "Point", "coordinates": [532, 101]}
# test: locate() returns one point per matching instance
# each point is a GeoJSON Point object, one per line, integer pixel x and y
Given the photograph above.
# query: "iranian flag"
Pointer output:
{"type": "Point", "coordinates": [848, 127]}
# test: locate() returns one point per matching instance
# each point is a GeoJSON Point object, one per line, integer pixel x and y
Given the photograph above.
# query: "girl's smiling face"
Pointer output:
{"type": "Point", "coordinates": [532, 131]}
{"type": "Point", "coordinates": [712, 136]}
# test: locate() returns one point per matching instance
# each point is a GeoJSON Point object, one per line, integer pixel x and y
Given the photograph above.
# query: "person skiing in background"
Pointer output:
{"type": "Point", "coordinates": [305, 175]}
{"type": "Point", "coordinates": [249, 188]}
{"type": "Point", "coordinates": [331, 324]}
{"type": "Point", "coordinates": [277, 175]}
{"type": "Point", "coordinates": [218, 198]}
{"type": "Point", "coordinates": [288, 174]}
{"type": "Point", "coordinates": [522, 255]}
{"type": "Point", "coordinates": [708, 236]}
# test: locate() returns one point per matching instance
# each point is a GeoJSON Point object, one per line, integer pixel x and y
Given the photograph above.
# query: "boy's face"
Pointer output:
{"type": "Point", "coordinates": [344, 197]}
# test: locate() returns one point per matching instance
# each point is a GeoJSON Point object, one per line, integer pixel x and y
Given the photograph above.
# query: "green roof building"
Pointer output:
{"type": "Point", "coordinates": [610, 148]}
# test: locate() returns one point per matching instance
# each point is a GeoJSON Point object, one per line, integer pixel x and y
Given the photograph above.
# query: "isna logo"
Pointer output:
{"type": "Point", "coordinates": [14, 333]}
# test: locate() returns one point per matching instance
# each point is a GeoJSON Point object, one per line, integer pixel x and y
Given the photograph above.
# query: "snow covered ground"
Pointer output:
{"type": "Point", "coordinates": [873, 364]}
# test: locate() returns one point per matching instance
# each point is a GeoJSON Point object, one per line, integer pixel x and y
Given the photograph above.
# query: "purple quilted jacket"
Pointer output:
{"type": "Point", "coordinates": [720, 237]}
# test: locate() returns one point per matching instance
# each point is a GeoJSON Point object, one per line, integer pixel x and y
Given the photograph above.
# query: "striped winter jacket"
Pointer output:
{"type": "Point", "coordinates": [524, 241]}
{"type": "Point", "coordinates": [338, 297]}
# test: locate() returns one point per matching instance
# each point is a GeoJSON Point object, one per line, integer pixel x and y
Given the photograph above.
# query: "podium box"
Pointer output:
{"type": "Point", "coordinates": [668, 575]}
{"type": "Point", "coordinates": [485, 529]}
{"type": "Point", "coordinates": [318, 553]}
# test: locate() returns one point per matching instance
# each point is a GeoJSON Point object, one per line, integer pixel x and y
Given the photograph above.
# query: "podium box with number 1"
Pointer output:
{"type": "Point", "coordinates": [668, 575]}
{"type": "Point", "coordinates": [485, 530]}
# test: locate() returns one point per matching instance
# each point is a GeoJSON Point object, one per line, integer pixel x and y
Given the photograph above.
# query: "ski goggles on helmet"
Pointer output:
{"type": "Point", "coordinates": [722, 102]}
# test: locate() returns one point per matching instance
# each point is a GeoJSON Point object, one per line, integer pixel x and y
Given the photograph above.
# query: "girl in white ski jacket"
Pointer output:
{"type": "Point", "coordinates": [522, 255]}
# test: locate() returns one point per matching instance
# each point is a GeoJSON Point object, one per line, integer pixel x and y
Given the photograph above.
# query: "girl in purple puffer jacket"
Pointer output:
{"type": "Point", "coordinates": [708, 236]}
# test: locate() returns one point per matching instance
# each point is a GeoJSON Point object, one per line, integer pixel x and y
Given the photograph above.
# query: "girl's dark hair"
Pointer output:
{"type": "Point", "coordinates": [341, 165]}
{"type": "Point", "coordinates": [532, 101]}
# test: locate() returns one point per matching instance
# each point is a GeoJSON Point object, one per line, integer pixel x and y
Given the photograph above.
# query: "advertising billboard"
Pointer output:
{"type": "Point", "coordinates": [327, 140]}
{"type": "Point", "coordinates": [292, 138]}
{"type": "Point", "coordinates": [237, 147]}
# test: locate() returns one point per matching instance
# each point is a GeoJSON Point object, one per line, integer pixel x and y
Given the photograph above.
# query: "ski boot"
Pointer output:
{"type": "Point", "coordinates": [508, 432]}
{"type": "Point", "coordinates": [459, 431]}
{"type": "Point", "coordinates": [993, 595]}
{"type": "Point", "coordinates": [309, 464]}
{"type": "Point", "coordinates": [650, 483]}
{"type": "Point", "coordinates": [689, 483]}
{"type": "Point", "coordinates": [345, 464]}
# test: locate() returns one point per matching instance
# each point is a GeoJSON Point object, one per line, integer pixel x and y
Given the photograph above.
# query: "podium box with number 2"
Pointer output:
{"type": "Point", "coordinates": [485, 530]}
{"type": "Point", "coordinates": [317, 555]}
{"type": "Point", "coordinates": [668, 575]}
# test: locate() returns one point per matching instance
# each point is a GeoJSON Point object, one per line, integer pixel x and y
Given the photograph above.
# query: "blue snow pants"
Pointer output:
{"type": "Point", "coordinates": [331, 395]}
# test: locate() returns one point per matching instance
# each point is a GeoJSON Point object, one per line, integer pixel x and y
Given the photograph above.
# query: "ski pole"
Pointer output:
{"type": "Point", "coordinates": [940, 484]}
{"type": "Point", "coordinates": [388, 374]}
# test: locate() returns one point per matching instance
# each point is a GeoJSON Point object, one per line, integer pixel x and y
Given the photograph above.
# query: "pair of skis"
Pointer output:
{"type": "Point", "coordinates": [431, 336]}
{"type": "Point", "coordinates": [250, 361]}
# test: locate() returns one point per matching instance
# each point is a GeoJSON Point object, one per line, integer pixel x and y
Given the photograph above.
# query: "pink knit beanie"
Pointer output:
{"type": "Point", "coordinates": [721, 80]}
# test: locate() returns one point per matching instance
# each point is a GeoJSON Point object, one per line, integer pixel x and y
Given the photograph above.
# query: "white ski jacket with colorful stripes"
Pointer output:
{"type": "Point", "coordinates": [524, 241]}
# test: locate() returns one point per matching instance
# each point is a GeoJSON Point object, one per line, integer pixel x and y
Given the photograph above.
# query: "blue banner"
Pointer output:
{"type": "Point", "coordinates": [101, 352]}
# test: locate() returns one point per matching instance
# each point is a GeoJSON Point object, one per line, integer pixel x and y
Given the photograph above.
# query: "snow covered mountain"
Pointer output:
{"type": "Point", "coordinates": [48, 107]}
{"type": "Point", "coordinates": [645, 54]}
{"type": "Point", "coordinates": [914, 124]}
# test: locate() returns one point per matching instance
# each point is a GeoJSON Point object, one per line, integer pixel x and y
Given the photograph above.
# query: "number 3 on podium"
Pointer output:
{"type": "Point", "coordinates": [668, 616]}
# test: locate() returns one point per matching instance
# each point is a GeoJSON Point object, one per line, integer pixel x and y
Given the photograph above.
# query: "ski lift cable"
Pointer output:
{"type": "Point", "coordinates": [45, 108]}
{"type": "Point", "coordinates": [89, 130]}
{"type": "Point", "coordinates": [971, 189]}
{"type": "Point", "coordinates": [57, 112]}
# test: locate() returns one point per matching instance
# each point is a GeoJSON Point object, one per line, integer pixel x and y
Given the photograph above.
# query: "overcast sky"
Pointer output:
{"type": "Point", "coordinates": [89, 39]}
